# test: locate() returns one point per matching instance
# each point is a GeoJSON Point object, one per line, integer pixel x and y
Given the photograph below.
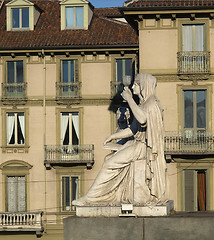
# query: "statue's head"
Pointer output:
{"type": "Point", "coordinates": [147, 84]}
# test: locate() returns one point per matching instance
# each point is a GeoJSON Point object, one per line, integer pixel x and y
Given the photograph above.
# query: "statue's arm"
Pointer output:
{"type": "Point", "coordinates": [124, 133]}
{"type": "Point", "coordinates": [136, 110]}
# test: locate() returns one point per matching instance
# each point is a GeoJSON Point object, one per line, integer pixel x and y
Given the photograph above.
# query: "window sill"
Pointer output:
{"type": "Point", "coordinates": [15, 149]}
{"type": "Point", "coordinates": [20, 29]}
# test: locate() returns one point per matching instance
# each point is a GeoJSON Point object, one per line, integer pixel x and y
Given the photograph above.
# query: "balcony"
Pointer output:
{"type": "Point", "coordinates": [14, 91]}
{"type": "Point", "coordinates": [193, 62]}
{"type": "Point", "coordinates": [67, 90]}
{"type": "Point", "coordinates": [179, 144]}
{"type": "Point", "coordinates": [69, 155]}
{"type": "Point", "coordinates": [21, 221]}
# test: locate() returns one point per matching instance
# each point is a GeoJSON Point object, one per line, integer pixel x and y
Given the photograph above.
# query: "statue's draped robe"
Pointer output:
{"type": "Point", "coordinates": [137, 172]}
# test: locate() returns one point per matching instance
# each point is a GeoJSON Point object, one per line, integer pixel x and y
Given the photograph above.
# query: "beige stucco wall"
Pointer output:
{"type": "Point", "coordinates": [169, 103]}
{"type": "Point", "coordinates": [158, 50]}
{"type": "Point", "coordinates": [96, 79]}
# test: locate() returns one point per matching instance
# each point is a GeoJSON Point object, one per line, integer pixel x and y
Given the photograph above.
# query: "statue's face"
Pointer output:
{"type": "Point", "coordinates": [136, 88]}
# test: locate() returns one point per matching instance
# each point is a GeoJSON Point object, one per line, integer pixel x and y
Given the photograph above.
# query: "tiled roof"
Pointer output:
{"type": "Point", "coordinates": [113, 11]}
{"type": "Point", "coordinates": [170, 4]}
{"type": "Point", "coordinates": [102, 32]}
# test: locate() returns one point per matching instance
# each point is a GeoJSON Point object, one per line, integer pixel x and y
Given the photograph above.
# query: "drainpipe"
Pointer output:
{"type": "Point", "coordinates": [44, 131]}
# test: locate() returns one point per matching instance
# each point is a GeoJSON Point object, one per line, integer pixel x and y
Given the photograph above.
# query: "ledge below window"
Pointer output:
{"type": "Point", "coordinates": [15, 149]}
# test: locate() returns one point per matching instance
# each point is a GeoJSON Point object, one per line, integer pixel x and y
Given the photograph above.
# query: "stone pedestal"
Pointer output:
{"type": "Point", "coordinates": [123, 210]}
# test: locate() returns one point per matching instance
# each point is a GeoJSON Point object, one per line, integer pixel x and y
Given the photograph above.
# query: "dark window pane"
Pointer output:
{"type": "Point", "coordinates": [119, 65]}
{"type": "Point", "coordinates": [74, 188]}
{"type": "Point", "coordinates": [65, 71]}
{"type": "Point", "coordinates": [10, 72]}
{"type": "Point", "coordinates": [66, 193]}
{"type": "Point", "coordinates": [128, 64]}
{"type": "Point", "coordinates": [71, 78]}
{"type": "Point", "coordinates": [66, 139]}
{"type": "Point", "coordinates": [25, 17]}
{"type": "Point", "coordinates": [15, 18]}
{"type": "Point", "coordinates": [201, 109]}
{"type": "Point", "coordinates": [75, 140]}
{"type": "Point", "coordinates": [188, 106]}
{"type": "Point", "coordinates": [19, 70]}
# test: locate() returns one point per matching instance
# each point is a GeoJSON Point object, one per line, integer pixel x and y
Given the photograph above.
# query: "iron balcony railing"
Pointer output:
{"type": "Point", "coordinates": [64, 154]}
{"type": "Point", "coordinates": [13, 91]}
{"type": "Point", "coordinates": [21, 221]}
{"type": "Point", "coordinates": [193, 62]}
{"type": "Point", "coordinates": [201, 143]}
{"type": "Point", "coordinates": [68, 90]}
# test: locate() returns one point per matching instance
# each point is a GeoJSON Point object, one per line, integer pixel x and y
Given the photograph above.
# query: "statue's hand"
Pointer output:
{"type": "Point", "coordinates": [126, 94]}
{"type": "Point", "coordinates": [109, 139]}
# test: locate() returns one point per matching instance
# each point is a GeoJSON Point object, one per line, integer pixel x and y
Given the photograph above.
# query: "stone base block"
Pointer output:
{"type": "Point", "coordinates": [123, 210]}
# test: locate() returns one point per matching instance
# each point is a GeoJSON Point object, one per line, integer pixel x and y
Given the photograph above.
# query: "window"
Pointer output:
{"type": "Point", "coordinates": [14, 71]}
{"type": "Point", "coordinates": [74, 17]}
{"type": "Point", "coordinates": [20, 18]}
{"type": "Point", "coordinates": [70, 191]}
{"type": "Point", "coordinates": [193, 37]}
{"type": "Point", "coordinates": [15, 128]}
{"type": "Point", "coordinates": [195, 190]}
{"type": "Point", "coordinates": [16, 194]}
{"type": "Point", "coordinates": [124, 71]}
{"type": "Point", "coordinates": [70, 128]}
{"type": "Point", "coordinates": [193, 57]}
{"type": "Point", "coordinates": [14, 86]}
{"type": "Point", "coordinates": [195, 116]}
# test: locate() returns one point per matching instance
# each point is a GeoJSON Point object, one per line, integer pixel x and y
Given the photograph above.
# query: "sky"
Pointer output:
{"type": "Point", "coordinates": [107, 3]}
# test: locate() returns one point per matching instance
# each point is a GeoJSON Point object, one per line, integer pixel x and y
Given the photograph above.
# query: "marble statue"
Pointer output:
{"type": "Point", "coordinates": [136, 172]}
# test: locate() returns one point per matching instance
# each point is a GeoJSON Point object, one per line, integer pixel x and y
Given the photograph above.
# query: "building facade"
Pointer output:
{"type": "Point", "coordinates": [176, 45]}
{"type": "Point", "coordinates": [61, 64]}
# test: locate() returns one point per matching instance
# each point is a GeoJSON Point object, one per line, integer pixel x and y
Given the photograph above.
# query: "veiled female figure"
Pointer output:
{"type": "Point", "coordinates": [136, 172]}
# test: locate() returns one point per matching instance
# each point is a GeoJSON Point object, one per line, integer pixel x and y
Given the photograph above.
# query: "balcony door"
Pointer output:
{"type": "Point", "coordinates": [14, 86]}
{"type": "Point", "coordinates": [70, 128]}
{"type": "Point", "coordinates": [195, 190]}
{"type": "Point", "coordinates": [193, 37]}
{"type": "Point", "coordinates": [195, 112]}
{"type": "Point", "coordinates": [16, 194]}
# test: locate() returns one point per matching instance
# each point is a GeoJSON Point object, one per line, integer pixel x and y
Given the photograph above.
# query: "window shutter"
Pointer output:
{"type": "Point", "coordinates": [189, 190]}
{"type": "Point", "coordinates": [76, 66]}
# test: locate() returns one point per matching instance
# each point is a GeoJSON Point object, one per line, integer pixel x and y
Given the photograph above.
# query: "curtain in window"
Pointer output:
{"type": "Point", "coordinates": [199, 37]}
{"type": "Point", "coordinates": [21, 119]}
{"type": "Point", "coordinates": [21, 194]}
{"type": "Point", "coordinates": [10, 126]}
{"type": "Point", "coordinates": [201, 178]}
{"type": "Point", "coordinates": [79, 16]}
{"type": "Point", "coordinates": [75, 120]}
{"type": "Point", "coordinates": [69, 16]}
{"type": "Point", "coordinates": [11, 194]}
{"type": "Point", "coordinates": [187, 38]}
{"type": "Point", "coordinates": [64, 125]}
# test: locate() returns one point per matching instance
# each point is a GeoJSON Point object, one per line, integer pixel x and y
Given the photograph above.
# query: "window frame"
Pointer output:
{"type": "Point", "coordinates": [196, 22]}
{"type": "Point", "coordinates": [58, 123]}
{"type": "Point", "coordinates": [15, 168]}
{"type": "Point", "coordinates": [15, 131]}
{"type": "Point", "coordinates": [20, 16]}
{"type": "Point", "coordinates": [77, 171]}
{"type": "Point", "coordinates": [195, 128]}
{"type": "Point", "coordinates": [69, 127]}
{"type": "Point", "coordinates": [181, 167]}
{"type": "Point", "coordinates": [74, 17]}
{"type": "Point", "coordinates": [20, 148]}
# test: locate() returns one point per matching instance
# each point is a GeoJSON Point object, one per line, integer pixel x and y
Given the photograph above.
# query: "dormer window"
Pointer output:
{"type": "Point", "coordinates": [74, 17]}
{"type": "Point", "coordinates": [75, 14]}
{"type": "Point", "coordinates": [20, 17]}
